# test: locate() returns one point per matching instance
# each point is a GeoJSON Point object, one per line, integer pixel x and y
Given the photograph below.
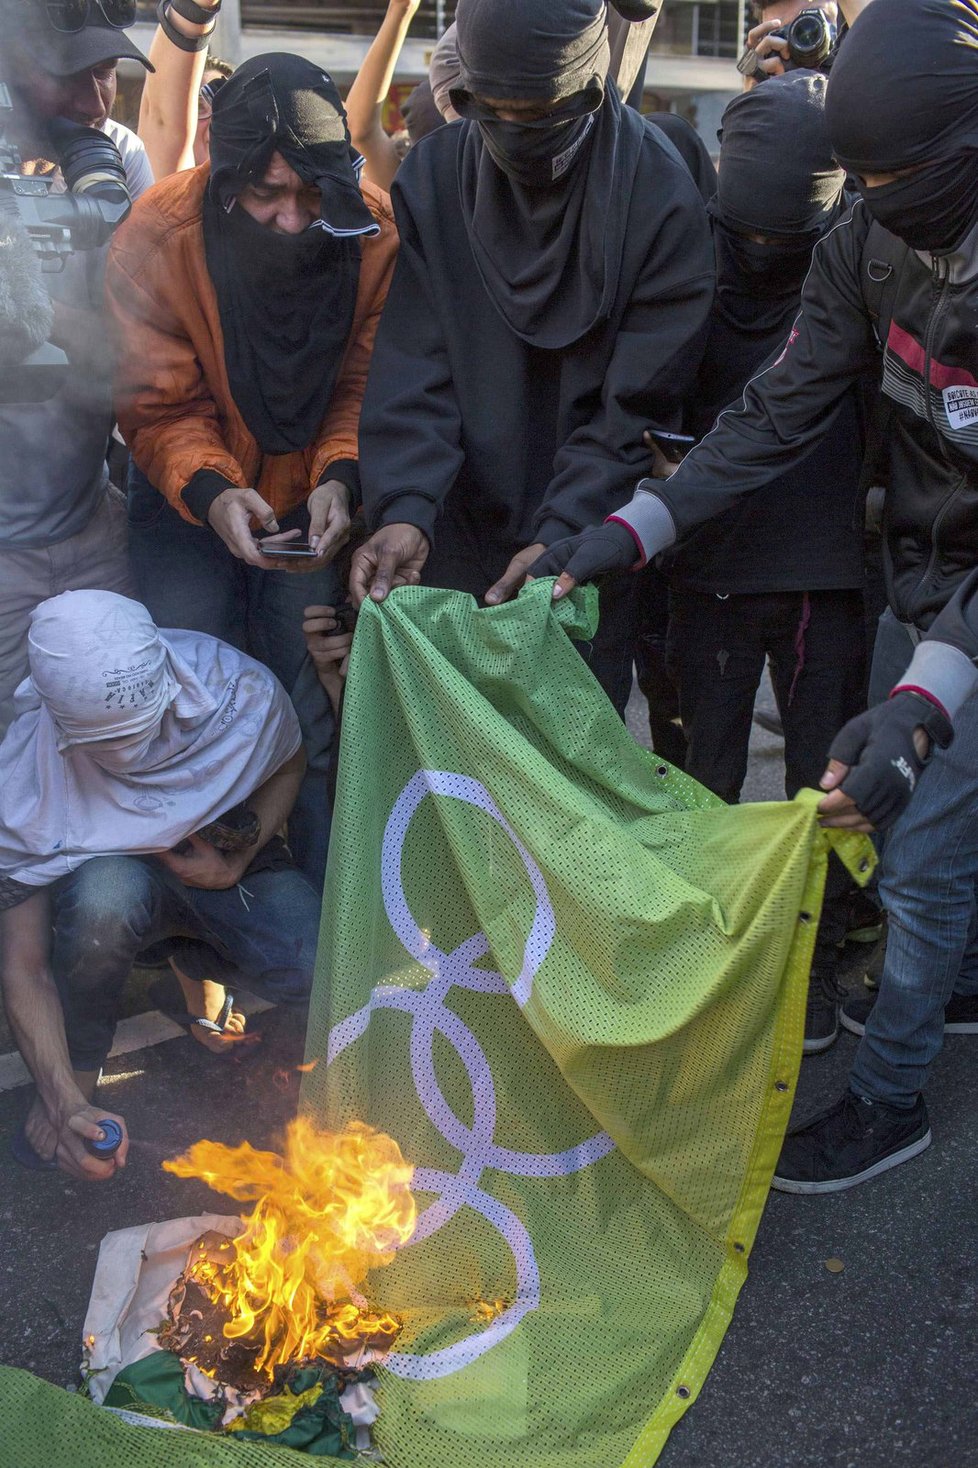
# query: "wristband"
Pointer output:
{"type": "Point", "coordinates": [921, 693]}
{"type": "Point", "coordinates": [196, 14]}
{"type": "Point", "coordinates": [641, 563]}
{"type": "Point", "coordinates": [177, 38]}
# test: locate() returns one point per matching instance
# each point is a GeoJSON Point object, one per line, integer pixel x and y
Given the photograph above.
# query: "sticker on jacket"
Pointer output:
{"type": "Point", "coordinates": [961, 406]}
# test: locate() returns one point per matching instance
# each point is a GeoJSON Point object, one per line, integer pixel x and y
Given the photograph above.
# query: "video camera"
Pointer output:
{"type": "Point", "coordinates": [57, 223]}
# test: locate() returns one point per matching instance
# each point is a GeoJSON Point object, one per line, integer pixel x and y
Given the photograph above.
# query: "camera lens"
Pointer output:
{"type": "Point", "coordinates": [809, 39]}
{"type": "Point", "coordinates": [89, 160]}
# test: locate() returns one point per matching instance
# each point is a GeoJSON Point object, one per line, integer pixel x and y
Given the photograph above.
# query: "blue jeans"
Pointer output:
{"type": "Point", "coordinates": [928, 887]}
{"type": "Point", "coordinates": [260, 935]}
{"type": "Point", "coordinates": [188, 578]}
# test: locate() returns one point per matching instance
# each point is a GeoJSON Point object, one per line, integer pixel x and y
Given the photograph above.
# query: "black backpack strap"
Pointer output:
{"type": "Point", "coordinates": [880, 268]}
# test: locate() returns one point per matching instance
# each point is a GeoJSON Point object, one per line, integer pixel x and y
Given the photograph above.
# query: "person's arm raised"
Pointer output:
{"type": "Point", "coordinates": [370, 86]}
{"type": "Point", "coordinates": [168, 106]}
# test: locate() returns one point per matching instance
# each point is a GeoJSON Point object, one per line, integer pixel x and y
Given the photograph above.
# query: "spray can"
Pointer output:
{"type": "Point", "coordinates": [110, 1142]}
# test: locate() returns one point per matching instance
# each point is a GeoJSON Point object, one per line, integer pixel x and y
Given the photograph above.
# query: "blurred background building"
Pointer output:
{"type": "Point", "coordinates": [691, 65]}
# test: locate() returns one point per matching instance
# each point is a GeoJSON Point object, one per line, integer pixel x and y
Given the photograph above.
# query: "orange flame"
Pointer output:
{"type": "Point", "coordinates": [335, 1206]}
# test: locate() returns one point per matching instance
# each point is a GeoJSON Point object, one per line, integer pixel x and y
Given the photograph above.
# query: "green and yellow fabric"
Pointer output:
{"type": "Point", "coordinates": [571, 984]}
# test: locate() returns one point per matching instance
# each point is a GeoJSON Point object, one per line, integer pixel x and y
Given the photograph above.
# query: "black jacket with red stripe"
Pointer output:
{"type": "Point", "coordinates": [930, 386]}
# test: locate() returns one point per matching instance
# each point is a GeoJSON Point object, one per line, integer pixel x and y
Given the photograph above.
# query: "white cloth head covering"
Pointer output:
{"type": "Point", "coordinates": [127, 738]}
{"type": "Point", "coordinates": [102, 670]}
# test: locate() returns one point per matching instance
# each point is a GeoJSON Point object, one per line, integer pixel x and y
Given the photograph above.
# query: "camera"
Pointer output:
{"type": "Point", "coordinates": [84, 216]}
{"type": "Point", "coordinates": [810, 38]}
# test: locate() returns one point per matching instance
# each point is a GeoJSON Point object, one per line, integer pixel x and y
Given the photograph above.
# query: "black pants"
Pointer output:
{"type": "Point", "coordinates": [716, 652]}
{"type": "Point", "coordinates": [816, 645]}
{"type": "Point", "coordinates": [652, 667]}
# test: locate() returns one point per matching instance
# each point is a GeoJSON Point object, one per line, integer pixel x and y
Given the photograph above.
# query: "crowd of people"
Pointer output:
{"type": "Point", "coordinates": [540, 334]}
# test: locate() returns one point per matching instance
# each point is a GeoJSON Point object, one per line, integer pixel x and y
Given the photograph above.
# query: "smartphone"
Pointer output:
{"type": "Point", "coordinates": [672, 446]}
{"type": "Point", "coordinates": [286, 548]}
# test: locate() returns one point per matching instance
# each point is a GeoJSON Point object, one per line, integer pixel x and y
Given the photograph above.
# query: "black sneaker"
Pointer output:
{"type": "Point", "coordinates": [864, 918]}
{"type": "Point", "coordinates": [822, 1009]}
{"type": "Point", "coordinates": [960, 1013]}
{"type": "Point", "coordinates": [852, 1141]}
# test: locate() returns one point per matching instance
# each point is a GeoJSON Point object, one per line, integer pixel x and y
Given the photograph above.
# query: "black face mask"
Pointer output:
{"type": "Point", "coordinates": [536, 154]}
{"type": "Point", "coordinates": [785, 262]}
{"type": "Point", "coordinates": [934, 208]}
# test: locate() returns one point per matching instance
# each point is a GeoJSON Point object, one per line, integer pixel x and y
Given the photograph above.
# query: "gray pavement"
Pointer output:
{"type": "Point", "coordinates": [872, 1367]}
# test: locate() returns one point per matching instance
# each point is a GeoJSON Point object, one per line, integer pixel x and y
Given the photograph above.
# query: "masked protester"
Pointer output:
{"type": "Point", "coordinates": [144, 777]}
{"type": "Point", "coordinates": [245, 296]}
{"type": "Point", "coordinates": [549, 304]}
{"type": "Point", "coordinates": [901, 270]}
{"type": "Point", "coordinates": [780, 576]}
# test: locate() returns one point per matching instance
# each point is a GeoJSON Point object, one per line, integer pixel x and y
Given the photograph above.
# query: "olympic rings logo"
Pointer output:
{"type": "Point", "coordinates": [430, 1016]}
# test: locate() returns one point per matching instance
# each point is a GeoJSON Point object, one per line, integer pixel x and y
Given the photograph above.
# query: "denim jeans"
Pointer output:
{"type": "Point", "coordinates": [188, 578]}
{"type": "Point", "coordinates": [928, 887]}
{"type": "Point", "coordinates": [260, 935]}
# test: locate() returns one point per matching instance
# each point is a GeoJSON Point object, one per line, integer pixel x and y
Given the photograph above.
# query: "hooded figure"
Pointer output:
{"type": "Point", "coordinates": [778, 576]}
{"type": "Point", "coordinates": [420, 113]}
{"type": "Point", "coordinates": [554, 279]}
{"type": "Point", "coordinates": [286, 301]}
{"type": "Point", "coordinates": [772, 203]}
{"type": "Point", "coordinates": [443, 73]}
{"type": "Point", "coordinates": [127, 739]}
{"type": "Point", "coordinates": [904, 96]}
{"type": "Point", "coordinates": [545, 201]}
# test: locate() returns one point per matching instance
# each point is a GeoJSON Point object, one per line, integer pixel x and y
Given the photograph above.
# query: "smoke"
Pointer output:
{"type": "Point", "coordinates": [26, 310]}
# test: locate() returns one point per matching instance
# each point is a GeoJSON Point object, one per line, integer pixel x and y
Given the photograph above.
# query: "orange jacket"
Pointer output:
{"type": "Point", "coordinates": [173, 401]}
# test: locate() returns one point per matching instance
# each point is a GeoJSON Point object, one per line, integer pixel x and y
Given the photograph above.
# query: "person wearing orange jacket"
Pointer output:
{"type": "Point", "coordinates": [245, 295]}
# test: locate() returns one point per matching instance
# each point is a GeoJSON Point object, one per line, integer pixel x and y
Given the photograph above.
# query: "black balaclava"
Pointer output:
{"type": "Point", "coordinates": [904, 92]}
{"type": "Point", "coordinates": [420, 114]}
{"type": "Point", "coordinates": [286, 301]}
{"type": "Point", "coordinates": [545, 203]}
{"type": "Point", "coordinates": [777, 178]}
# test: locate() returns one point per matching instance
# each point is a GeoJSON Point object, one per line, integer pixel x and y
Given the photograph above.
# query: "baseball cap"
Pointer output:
{"type": "Point", "coordinates": [65, 52]}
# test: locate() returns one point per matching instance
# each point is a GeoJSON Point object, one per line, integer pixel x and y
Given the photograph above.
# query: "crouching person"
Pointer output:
{"type": "Point", "coordinates": [142, 784]}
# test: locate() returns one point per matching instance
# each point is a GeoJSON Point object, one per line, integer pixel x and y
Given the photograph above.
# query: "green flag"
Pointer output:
{"type": "Point", "coordinates": [570, 983]}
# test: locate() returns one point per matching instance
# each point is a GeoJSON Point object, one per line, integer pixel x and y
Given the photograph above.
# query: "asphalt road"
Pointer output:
{"type": "Point", "coordinates": [871, 1367]}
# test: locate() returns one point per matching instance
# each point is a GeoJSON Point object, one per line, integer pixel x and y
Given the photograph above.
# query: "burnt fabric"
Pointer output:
{"type": "Point", "coordinates": [904, 93]}
{"type": "Point", "coordinates": [286, 301]}
{"type": "Point", "coordinates": [766, 186]}
{"type": "Point", "coordinates": [545, 202]}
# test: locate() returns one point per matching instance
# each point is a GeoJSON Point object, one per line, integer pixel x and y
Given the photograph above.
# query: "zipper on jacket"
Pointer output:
{"type": "Point", "coordinates": [939, 279]}
{"type": "Point", "coordinates": [940, 273]}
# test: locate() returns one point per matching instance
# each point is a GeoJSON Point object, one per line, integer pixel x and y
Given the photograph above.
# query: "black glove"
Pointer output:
{"type": "Point", "coordinates": [608, 547]}
{"type": "Point", "coordinates": [879, 747]}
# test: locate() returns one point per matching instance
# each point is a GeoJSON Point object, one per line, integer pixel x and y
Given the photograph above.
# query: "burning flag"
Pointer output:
{"type": "Point", "coordinates": [270, 1334]}
{"type": "Point", "coordinates": [330, 1209]}
{"type": "Point", "coordinates": [571, 983]}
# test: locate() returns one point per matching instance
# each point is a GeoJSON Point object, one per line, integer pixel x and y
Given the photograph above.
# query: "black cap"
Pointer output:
{"type": "Point", "coordinates": [64, 53]}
